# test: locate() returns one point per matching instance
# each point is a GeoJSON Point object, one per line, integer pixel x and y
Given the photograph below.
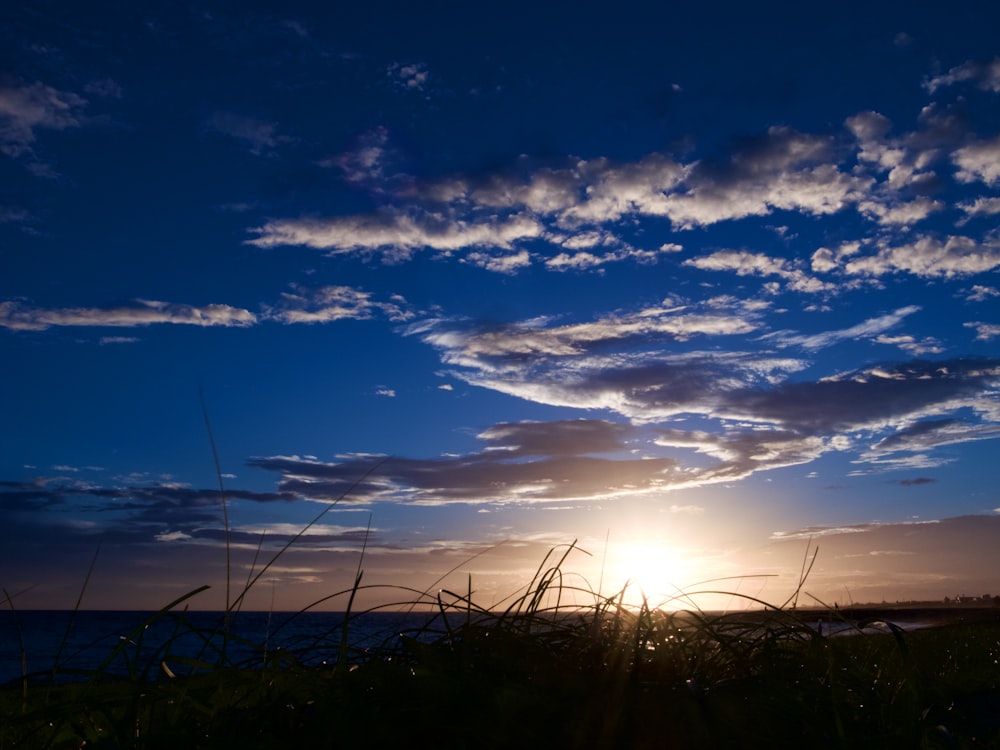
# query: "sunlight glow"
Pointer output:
{"type": "Point", "coordinates": [654, 571]}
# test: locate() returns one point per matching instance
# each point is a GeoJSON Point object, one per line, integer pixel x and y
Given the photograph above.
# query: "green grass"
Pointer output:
{"type": "Point", "coordinates": [541, 672]}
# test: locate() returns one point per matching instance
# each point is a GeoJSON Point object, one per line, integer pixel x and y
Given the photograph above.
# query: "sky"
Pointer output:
{"type": "Point", "coordinates": [433, 290]}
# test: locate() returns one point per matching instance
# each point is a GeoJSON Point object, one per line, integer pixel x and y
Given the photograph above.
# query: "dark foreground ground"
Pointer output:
{"type": "Point", "coordinates": [609, 680]}
{"type": "Point", "coordinates": [929, 615]}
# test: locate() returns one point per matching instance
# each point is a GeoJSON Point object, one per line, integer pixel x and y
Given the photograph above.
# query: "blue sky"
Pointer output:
{"type": "Point", "coordinates": [690, 286]}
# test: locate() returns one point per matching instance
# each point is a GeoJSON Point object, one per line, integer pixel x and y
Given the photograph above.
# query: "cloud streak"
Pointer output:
{"type": "Point", "coordinates": [308, 305]}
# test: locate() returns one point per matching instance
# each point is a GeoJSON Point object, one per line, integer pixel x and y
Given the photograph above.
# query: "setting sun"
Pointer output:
{"type": "Point", "coordinates": [651, 571]}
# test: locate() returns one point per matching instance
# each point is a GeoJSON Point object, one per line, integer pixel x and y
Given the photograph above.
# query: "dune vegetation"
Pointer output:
{"type": "Point", "coordinates": [539, 672]}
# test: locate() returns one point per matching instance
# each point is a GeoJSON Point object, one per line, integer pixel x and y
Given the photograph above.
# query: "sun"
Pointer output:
{"type": "Point", "coordinates": [650, 571]}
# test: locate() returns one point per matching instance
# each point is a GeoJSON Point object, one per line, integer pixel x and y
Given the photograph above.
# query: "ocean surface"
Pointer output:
{"type": "Point", "coordinates": [63, 645]}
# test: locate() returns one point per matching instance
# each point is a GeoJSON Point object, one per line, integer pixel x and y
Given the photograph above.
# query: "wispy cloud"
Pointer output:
{"type": "Point", "coordinates": [745, 263]}
{"type": "Point", "coordinates": [331, 303]}
{"type": "Point", "coordinates": [985, 74]}
{"type": "Point", "coordinates": [397, 233]}
{"type": "Point", "coordinates": [301, 305]}
{"type": "Point", "coordinates": [871, 328]}
{"type": "Point", "coordinates": [19, 317]}
{"type": "Point", "coordinates": [259, 136]}
{"type": "Point", "coordinates": [889, 417]}
{"type": "Point", "coordinates": [523, 463]}
{"type": "Point", "coordinates": [985, 331]}
{"type": "Point", "coordinates": [25, 109]}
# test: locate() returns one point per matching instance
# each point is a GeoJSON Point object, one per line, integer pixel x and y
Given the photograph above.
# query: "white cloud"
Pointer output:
{"type": "Point", "coordinates": [536, 337]}
{"type": "Point", "coordinates": [301, 305]}
{"type": "Point", "coordinates": [825, 259]}
{"type": "Point", "coordinates": [330, 303]}
{"type": "Point", "coordinates": [985, 331]}
{"type": "Point", "coordinates": [744, 263]}
{"type": "Point", "coordinates": [576, 261]}
{"type": "Point", "coordinates": [911, 345]}
{"type": "Point", "coordinates": [397, 234]}
{"type": "Point", "coordinates": [985, 74]}
{"type": "Point", "coordinates": [172, 536]}
{"type": "Point", "coordinates": [866, 329]}
{"type": "Point", "coordinates": [980, 207]}
{"type": "Point", "coordinates": [930, 257]}
{"type": "Point", "coordinates": [901, 213]}
{"type": "Point", "coordinates": [980, 293]}
{"type": "Point", "coordinates": [509, 264]}
{"type": "Point", "coordinates": [980, 160]}
{"type": "Point", "coordinates": [15, 316]}
{"type": "Point", "coordinates": [783, 169]}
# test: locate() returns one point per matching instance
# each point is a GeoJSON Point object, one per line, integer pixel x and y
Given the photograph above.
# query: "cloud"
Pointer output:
{"type": "Point", "coordinates": [886, 417]}
{"type": "Point", "coordinates": [900, 213]}
{"type": "Point", "coordinates": [13, 215]}
{"type": "Point", "coordinates": [517, 467]}
{"type": "Point", "coordinates": [18, 317]}
{"type": "Point", "coordinates": [260, 136]}
{"type": "Point", "coordinates": [980, 160]}
{"type": "Point", "coordinates": [979, 207]}
{"type": "Point", "coordinates": [985, 331]}
{"type": "Point", "coordinates": [930, 257]}
{"type": "Point", "coordinates": [870, 328]}
{"type": "Point", "coordinates": [615, 363]}
{"type": "Point", "coordinates": [780, 170]}
{"type": "Point", "coordinates": [302, 305]}
{"type": "Point", "coordinates": [508, 264]}
{"type": "Point", "coordinates": [573, 215]}
{"type": "Point", "coordinates": [365, 163]}
{"type": "Point", "coordinates": [409, 77]}
{"type": "Point", "coordinates": [985, 74]}
{"type": "Point", "coordinates": [136, 513]}
{"type": "Point", "coordinates": [565, 206]}
{"type": "Point", "coordinates": [489, 347]}
{"type": "Point", "coordinates": [924, 434]}
{"type": "Point", "coordinates": [873, 398]}
{"type": "Point", "coordinates": [745, 263]}
{"type": "Point", "coordinates": [980, 293]}
{"type": "Point", "coordinates": [916, 560]}
{"type": "Point", "coordinates": [395, 233]}
{"type": "Point", "coordinates": [331, 303]}
{"type": "Point", "coordinates": [911, 345]}
{"type": "Point", "coordinates": [559, 438]}
{"type": "Point", "coordinates": [26, 109]}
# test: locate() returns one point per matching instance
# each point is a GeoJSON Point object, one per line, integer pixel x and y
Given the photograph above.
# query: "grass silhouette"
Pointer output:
{"type": "Point", "coordinates": [537, 670]}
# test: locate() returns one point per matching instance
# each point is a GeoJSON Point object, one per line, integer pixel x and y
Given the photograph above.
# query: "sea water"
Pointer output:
{"type": "Point", "coordinates": [64, 645]}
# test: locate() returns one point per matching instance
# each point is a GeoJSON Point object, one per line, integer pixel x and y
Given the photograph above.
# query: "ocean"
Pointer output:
{"type": "Point", "coordinates": [63, 645]}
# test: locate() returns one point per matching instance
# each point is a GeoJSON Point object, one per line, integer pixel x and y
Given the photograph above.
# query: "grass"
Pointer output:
{"type": "Point", "coordinates": [539, 671]}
